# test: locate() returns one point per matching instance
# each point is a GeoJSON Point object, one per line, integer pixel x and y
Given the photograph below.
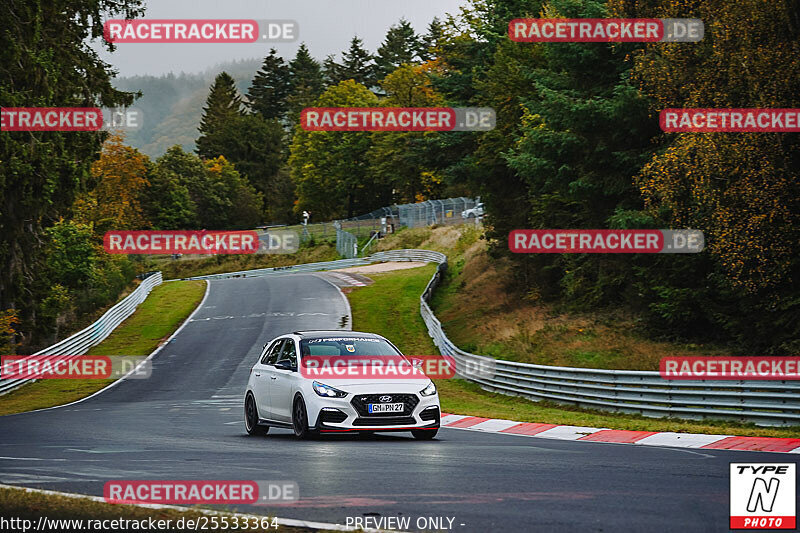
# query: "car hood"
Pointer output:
{"type": "Point", "coordinates": [360, 386]}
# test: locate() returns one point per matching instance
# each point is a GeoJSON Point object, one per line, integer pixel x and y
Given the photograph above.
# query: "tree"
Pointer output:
{"type": "Point", "coordinates": [167, 201]}
{"type": "Point", "coordinates": [223, 198]}
{"type": "Point", "coordinates": [114, 203]}
{"type": "Point", "coordinates": [357, 64]}
{"type": "Point", "coordinates": [400, 158]}
{"type": "Point", "coordinates": [270, 88]}
{"type": "Point", "coordinates": [330, 169]}
{"type": "Point", "coordinates": [742, 190]}
{"type": "Point", "coordinates": [222, 105]}
{"type": "Point", "coordinates": [332, 71]}
{"type": "Point", "coordinates": [430, 40]}
{"type": "Point", "coordinates": [46, 60]}
{"type": "Point", "coordinates": [243, 201]}
{"type": "Point", "coordinates": [255, 147]}
{"type": "Point", "coordinates": [401, 45]}
{"type": "Point", "coordinates": [307, 82]}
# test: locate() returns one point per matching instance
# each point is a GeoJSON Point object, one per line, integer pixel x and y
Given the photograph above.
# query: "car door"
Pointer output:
{"type": "Point", "coordinates": [282, 382]}
{"type": "Point", "coordinates": [262, 378]}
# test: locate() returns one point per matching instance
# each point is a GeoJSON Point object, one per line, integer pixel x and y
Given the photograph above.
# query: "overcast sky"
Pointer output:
{"type": "Point", "coordinates": [326, 26]}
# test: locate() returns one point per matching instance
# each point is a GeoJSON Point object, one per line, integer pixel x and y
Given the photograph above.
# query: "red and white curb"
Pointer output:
{"type": "Point", "coordinates": [347, 279]}
{"type": "Point", "coordinates": [619, 436]}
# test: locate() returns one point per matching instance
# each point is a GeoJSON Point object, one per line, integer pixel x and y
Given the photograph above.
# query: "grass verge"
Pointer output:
{"type": "Point", "coordinates": [24, 505]}
{"type": "Point", "coordinates": [155, 319]}
{"type": "Point", "coordinates": [390, 307]}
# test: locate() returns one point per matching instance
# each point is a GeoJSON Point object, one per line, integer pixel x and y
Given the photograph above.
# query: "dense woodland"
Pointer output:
{"type": "Point", "coordinates": [577, 145]}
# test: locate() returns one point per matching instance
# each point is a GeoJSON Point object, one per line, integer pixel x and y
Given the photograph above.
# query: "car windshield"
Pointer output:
{"type": "Point", "coordinates": [347, 346]}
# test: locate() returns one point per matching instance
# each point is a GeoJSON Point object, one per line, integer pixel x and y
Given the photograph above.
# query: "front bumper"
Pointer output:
{"type": "Point", "coordinates": [339, 415]}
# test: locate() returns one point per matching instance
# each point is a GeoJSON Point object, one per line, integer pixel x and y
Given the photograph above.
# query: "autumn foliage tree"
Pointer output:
{"type": "Point", "coordinates": [741, 189]}
{"type": "Point", "coordinates": [119, 176]}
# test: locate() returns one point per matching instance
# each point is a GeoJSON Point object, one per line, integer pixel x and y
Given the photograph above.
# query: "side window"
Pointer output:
{"type": "Point", "coordinates": [271, 355]}
{"type": "Point", "coordinates": [289, 353]}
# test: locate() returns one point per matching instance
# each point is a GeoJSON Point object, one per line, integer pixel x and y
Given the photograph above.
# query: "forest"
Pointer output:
{"type": "Point", "coordinates": [577, 145]}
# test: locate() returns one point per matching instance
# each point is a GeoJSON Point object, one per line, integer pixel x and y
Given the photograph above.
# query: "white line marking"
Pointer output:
{"type": "Point", "coordinates": [346, 302]}
{"type": "Point", "coordinates": [29, 459]}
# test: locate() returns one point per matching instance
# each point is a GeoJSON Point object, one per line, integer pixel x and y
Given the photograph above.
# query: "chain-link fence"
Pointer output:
{"type": "Point", "coordinates": [386, 219]}
{"type": "Point", "coordinates": [346, 243]}
{"type": "Point", "coordinates": [448, 211]}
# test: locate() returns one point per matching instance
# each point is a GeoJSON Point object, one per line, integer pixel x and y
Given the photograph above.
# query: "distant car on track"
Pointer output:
{"type": "Point", "coordinates": [475, 212]}
{"type": "Point", "coordinates": [282, 392]}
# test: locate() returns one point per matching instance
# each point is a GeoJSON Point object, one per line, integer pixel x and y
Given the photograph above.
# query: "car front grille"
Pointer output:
{"type": "Point", "coordinates": [360, 402]}
{"type": "Point", "coordinates": [385, 421]}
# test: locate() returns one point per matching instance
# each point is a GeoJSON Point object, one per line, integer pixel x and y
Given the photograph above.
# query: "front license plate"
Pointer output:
{"type": "Point", "coordinates": [385, 407]}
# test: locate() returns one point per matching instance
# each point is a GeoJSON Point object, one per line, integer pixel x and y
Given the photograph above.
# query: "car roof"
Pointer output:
{"type": "Point", "coordinates": [319, 334]}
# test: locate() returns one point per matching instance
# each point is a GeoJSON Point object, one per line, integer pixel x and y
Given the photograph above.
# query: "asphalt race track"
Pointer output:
{"type": "Point", "coordinates": [185, 422]}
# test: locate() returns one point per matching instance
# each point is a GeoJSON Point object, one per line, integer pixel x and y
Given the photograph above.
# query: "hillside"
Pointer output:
{"type": "Point", "coordinates": [173, 104]}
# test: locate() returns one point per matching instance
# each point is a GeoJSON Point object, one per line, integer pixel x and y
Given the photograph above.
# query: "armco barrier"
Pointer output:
{"type": "Point", "coordinates": [306, 267]}
{"type": "Point", "coordinates": [79, 343]}
{"type": "Point", "coordinates": [764, 403]}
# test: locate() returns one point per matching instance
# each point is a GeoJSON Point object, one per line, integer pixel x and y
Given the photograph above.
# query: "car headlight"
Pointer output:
{"type": "Point", "coordinates": [430, 390]}
{"type": "Point", "coordinates": [327, 391]}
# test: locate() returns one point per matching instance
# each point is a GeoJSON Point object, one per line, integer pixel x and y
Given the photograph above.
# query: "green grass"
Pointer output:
{"type": "Point", "coordinates": [18, 503]}
{"type": "Point", "coordinates": [386, 306]}
{"type": "Point", "coordinates": [390, 307]}
{"type": "Point", "coordinates": [156, 318]}
{"type": "Point", "coordinates": [203, 266]}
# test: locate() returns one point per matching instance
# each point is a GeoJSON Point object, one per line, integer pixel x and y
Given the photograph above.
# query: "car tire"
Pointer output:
{"type": "Point", "coordinates": [251, 417]}
{"type": "Point", "coordinates": [424, 434]}
{"type": "Point", "coordinates": [300, 420]}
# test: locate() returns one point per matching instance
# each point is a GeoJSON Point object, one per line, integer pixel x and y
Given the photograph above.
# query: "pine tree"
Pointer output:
{"type": "Point", "coordinates": [357, 64]}
{"type": "Point", "coordinates": [400, 46]}
{"type": "Point", "coordinates": [307, 82]}
{"type": "Point", "coordinates": [271, 87]}
{"type": "Point", "coordinates": [332, 71]}
{"type": "Point", "coordinates": [431, 38]}
{"type": "Point", "coordinates": [305, 71]}
{"type": "Point", "coordinates": [223, 103]}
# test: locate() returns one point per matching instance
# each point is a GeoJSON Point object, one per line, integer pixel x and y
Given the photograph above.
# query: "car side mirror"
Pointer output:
{"type": "Point", "coordinates": [284, 365]}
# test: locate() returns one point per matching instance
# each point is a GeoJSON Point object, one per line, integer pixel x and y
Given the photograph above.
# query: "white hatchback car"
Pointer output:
{"type": "Point", "coordinates": [281, 393]}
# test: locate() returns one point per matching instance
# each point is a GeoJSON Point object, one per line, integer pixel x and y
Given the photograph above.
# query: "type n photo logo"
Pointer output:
{"type": "Point", "coordinates": [763, 496]}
